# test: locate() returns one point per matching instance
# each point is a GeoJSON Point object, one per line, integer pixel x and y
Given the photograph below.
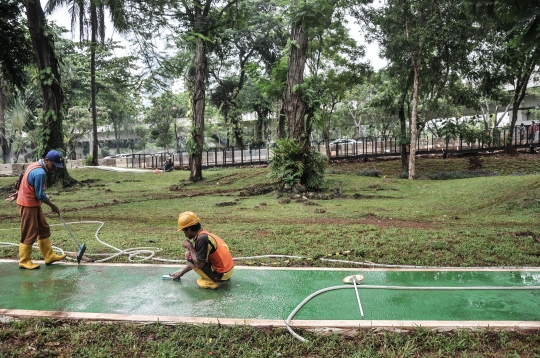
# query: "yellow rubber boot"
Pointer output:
{"type": "Point", "coordinates": [46, 249]}
{"type": "Point", "coordinates": [205, 281]}
{"type": "Point", "coordinates": [25, 251]}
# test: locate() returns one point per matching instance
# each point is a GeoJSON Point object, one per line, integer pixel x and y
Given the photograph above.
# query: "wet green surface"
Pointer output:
{"type": "Point", "coordinates": [269, 294]}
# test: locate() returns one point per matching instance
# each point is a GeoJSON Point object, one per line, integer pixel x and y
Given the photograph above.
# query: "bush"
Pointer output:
{"type": "Point", "coordinates": [314, 170]}
{"type": "Point", "coordinates": [403, 175]}
{"type": "Point", "coordinates": [369, 173]}
{"type": "Point", "coordinates": [88, 160]}
{"type": "Point", "coordinates": [289, 165]}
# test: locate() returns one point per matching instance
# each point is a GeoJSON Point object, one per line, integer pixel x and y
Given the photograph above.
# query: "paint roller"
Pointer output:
{"type": "Point", "coordinates": [81, 248]}
{"type": "Point", "coordinates": [169, 277]}
{"type": "Point", "coordinates": [354, 279]}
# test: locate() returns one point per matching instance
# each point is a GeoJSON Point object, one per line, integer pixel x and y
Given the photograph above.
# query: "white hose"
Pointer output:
{"type": "Point", "coordinates": [426, 288]}
{"type": "Point", "coordinates": [149, 252]}
{"type": "Point", "coordinates": [141, 253]}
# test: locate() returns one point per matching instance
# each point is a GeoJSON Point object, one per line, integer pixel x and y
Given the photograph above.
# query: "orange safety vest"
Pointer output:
{"type": "Point", "coordinates": [221, 259]}
{"type": "Point", "coordinates": [27, 194]}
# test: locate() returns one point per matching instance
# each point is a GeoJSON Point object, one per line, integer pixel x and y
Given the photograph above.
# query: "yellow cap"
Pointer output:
{"type": "Point", "coordinates": [186, 219]}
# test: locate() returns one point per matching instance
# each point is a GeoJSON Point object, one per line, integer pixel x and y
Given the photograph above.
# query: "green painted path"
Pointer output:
{"type": "Point", "coordinates": [269, 294]}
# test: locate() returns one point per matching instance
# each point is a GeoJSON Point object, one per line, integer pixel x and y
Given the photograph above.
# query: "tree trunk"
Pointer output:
{"type": "Point", "coordinates": [403, 128]}
{"type": "Point", "coordinates": [296, 110]}
{"type": "Point", "coordinates": [414, 116]}
{"type": "Point", "coordinates": [235, 117]}
{"type": "Point", "coordinates": [326, 139]}
{"type": "Point", "coordinates": [294, 106]}
{"type": "Point", "coordinates": [281, 122]}
{"type": "Point", "coordinates": [198, 105]}
{"type": "Point", "coordinates": [3, 140]}
{"type": "Point", "coordinates": [519, 95]}
{"type": "Point", "coordinates": [93, 44]}
{"type": "Point", "coordinates": [117, 137]}
{"type": "Point", "coordinates": [51, 90]}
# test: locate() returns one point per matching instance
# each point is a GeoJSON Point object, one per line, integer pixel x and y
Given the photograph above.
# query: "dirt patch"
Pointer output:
{"type": "Point", "coordinates": [261, 233]}
{"type": "Point", "coordinates": [260, 189]}
{"type": "Point", "coordinates": [372, 196]}
{"type": "Point", "coordinates": [7, 190]}
{"type": "Point", "coordinates": [370, 220]}
{"type": "Point", "coordinates": [227, 203]}
{"type": "Point", "coordinates": [89, 181]}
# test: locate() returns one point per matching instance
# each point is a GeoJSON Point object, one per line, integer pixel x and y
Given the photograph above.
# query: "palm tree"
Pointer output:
{"type": "Point", "coordinates": [79, 16]}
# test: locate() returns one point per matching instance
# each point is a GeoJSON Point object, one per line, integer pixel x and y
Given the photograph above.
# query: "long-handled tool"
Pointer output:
{"type": "Point", "coordinates": [81, 248]}
{"type": "Point", "coordinates": [354, 279]}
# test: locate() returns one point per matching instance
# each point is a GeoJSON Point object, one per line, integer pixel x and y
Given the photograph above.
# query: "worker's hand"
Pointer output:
{"type": "Point", "coordinates": [188, 245]}
{"type": "Point", "coordinates": [175, 276]}
{"type": "Point", "coordinates": [55, 209]}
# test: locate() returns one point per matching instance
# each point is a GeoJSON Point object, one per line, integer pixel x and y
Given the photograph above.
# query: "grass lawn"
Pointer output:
{"type": "Point", "coordinates": [483, 221]}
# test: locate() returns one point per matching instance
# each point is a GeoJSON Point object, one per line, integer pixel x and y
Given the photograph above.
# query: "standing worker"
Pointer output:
{"type": "Point", "coordinates": [522, 133]}
{"type": "Point", "coordinates": [210, 258]}
{"type": "Point", "coordinates": [34, 226]}
{"type": "Point", "coordinates": [532, 132]}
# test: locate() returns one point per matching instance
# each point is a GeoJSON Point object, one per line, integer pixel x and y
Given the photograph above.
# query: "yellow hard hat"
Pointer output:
{"type": "Point", "coordinates": [186, 219]}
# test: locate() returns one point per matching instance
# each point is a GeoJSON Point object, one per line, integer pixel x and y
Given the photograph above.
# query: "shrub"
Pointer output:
{"type": "Point", "coordinates": [314, 170]}
{"type": "Point", "coordinates": [369, 173]}
{"type": "Point", "coordinates": [88, 160]}
{"type": "Point", "coordinates": [403, 175]}
{"type": "Point", "coordinates": [287, 165]}
{"type": "Point", "coordinates": [475, 163]}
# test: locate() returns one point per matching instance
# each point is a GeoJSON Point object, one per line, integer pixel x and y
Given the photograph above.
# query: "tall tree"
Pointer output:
{"type": "Point", "coordinates": [334, 67]}
{"type": "Point", "coordinates": [427, 43]}
{"type": "Point", "coordinates": [253, 37]}
{"type": "Point", "coordinates": [163, 113]}
{"type": "Point", "coordinates": [16, 54]}
{"type": "Point", "coordinates": [199, 19]}
{"type": "Point", "coordinates": [92, 12]}
{"type": "Point", "coordinates": [309, 19]}
{"type": "Point", "coordinates": [513, 47]}
{"type": "Point", "coordinates": [50, 83]}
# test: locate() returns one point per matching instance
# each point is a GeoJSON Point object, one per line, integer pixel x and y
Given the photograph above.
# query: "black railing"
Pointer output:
{"type": "Point", "coordinates": [363, 147]}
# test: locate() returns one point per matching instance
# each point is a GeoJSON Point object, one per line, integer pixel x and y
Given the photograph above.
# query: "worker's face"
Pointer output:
{"type": "Point", "coordinates": [49, 164]}
{"type": "Point", "coordinates": [188, 233]}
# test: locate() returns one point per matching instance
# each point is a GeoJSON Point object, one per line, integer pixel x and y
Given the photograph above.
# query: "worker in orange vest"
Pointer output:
{"type": "Point", "coordinates": [34, 226]}
{"type": "Point", "coordinates": [210, 257]}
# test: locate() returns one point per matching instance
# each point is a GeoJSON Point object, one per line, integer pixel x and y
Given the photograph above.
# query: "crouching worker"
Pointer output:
{"type": "Point", "coordinates": [33, 224]}
{"type": "Point", "coordinates": [169, 165]}
{"type": "Point", "coordinates": [210, 258]}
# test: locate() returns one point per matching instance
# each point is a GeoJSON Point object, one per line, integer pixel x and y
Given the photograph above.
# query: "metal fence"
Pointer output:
{"type": "Point", "coordinates": [363, 147]}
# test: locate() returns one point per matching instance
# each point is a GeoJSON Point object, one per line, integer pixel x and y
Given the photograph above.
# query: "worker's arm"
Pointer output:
{"type": "Point", "coordinates": [182, 272]}
{"type": "Point", "coordinates": [193, 253]}
{"type": "Point", "coordinates": [37, 178]}
{"type": "Point", "coordinates": [54, 208]}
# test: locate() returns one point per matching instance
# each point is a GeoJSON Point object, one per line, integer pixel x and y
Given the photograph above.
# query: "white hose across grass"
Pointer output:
{"type": "Point", "coordinates": [149, 253]}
